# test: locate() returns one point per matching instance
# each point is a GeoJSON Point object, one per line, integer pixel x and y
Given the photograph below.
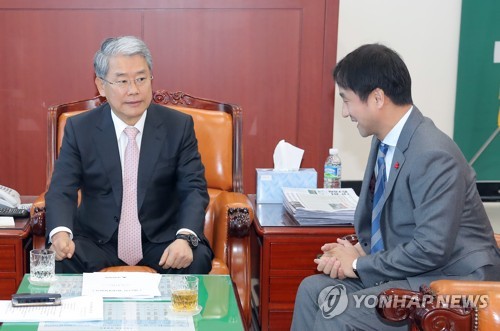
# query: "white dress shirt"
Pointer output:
{"type": "Point", "coordinates": [392, 140]}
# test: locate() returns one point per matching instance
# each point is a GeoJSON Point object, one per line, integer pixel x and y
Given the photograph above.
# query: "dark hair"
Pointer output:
{"type": "Point", "coordinates": [375, 66]}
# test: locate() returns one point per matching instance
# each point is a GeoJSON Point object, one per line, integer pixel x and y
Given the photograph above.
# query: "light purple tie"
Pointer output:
{"type": "Point", "coordinates": [129, 230]}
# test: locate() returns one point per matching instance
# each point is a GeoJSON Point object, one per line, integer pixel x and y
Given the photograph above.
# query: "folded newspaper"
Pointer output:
{"type": "Point", "coordinates": [320, 206]}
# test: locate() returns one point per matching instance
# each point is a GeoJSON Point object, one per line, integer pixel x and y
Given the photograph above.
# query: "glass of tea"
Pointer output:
{"type": "Point", "coordinates": [184, 293]}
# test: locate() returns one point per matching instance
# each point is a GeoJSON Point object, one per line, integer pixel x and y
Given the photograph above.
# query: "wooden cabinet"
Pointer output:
{"type": "Point", "coordinates": [14, 245]}
{"type": "Point", "coordinates": [282, 255]}
{"type": "Point", "coordinates": [274, 58]}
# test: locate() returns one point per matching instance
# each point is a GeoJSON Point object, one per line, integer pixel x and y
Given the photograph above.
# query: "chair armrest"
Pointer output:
{"type": "Point", "coordinates": [219, 267]}
{"type": "Point", "coordinates": [393, 304]}
{"type": "Point", "coordinates": [37, 222]}
{"type": "Point", "coordinates": [232, 214]}
{"type": "Point", "coordinates": [424, 310]}
{"type": "Point", "coordinates": [448, 286]}
{"type": "Point", "coordinates": [434, 318]}
{"type": "Point", "coordinates": [488, 316]}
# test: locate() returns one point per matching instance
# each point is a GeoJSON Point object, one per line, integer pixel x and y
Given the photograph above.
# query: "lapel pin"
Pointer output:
{"type": "Point", "coordinates": [396, 165]}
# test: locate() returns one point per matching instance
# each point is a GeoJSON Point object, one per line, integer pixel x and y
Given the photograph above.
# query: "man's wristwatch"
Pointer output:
{"type": "Point", "coordinates": [190, 238]}
{"type": "Point", "coordinates": [354, 265]}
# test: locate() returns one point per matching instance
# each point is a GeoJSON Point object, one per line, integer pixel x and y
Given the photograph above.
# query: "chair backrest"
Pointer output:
{"type": "Point", "coordinates": [217, 127]}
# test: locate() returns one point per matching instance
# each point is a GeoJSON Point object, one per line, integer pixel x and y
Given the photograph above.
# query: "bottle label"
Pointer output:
{"type": "Point", "coordinates": [332, 171]}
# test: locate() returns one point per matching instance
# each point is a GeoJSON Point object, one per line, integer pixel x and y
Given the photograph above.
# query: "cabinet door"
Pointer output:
{"type": "Point", "coordinates": [290, 261]}
{"type": "Point", "coordinates": [11, 267]}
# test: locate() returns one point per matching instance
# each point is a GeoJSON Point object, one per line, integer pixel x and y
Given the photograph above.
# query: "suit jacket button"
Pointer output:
{"type": "Point", "coordinates": [116, 218]}
{"type": "Point", "coordinates": [100, 241]}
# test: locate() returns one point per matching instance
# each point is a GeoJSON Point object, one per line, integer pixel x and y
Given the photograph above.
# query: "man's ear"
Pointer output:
{"type": "Point", "coordinates": [379, 96]}
{"type": "Point", "coordinates": [99, 83]}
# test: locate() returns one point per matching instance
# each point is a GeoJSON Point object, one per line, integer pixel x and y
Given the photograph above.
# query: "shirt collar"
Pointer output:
{"type": "Point", "coordinates": [120, 125]}
{"type": "Point", "coordinates": [392, 137]}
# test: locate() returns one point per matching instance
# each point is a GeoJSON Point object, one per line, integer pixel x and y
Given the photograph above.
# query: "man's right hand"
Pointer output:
{"type": "Point", "coordinates": [62, 245]}
{"type": "Point", "coordinates": [327, 248]}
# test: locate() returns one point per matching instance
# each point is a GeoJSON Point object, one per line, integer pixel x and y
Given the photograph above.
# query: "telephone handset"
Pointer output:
{"type": "Point", "coordinates": [10, 203]}
{"type": "Point", "coordinates": [9, 197]}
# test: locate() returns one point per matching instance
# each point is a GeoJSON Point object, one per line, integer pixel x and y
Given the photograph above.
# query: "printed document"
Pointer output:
{"type": "Point", "coordinates": [129, 316]}
{"type": "Point", "coordinates": [75, 309]}
{"type": "Point", "coordinates": [121, 284]}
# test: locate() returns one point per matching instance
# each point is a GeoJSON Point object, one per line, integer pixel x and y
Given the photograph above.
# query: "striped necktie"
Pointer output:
{"type": "Point", "coordinates": [376, 240]}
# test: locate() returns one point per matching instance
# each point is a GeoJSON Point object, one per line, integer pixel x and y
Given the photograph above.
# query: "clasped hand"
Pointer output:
{"type": "Point", "coordinates": [337, 258]}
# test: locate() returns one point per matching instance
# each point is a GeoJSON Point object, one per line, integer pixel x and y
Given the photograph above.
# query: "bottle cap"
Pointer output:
{"type": "Point", "coordinates": [333, 151]}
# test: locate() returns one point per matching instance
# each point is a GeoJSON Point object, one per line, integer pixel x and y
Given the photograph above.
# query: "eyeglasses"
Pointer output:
{"type": "Point", "coordinates": [125, 83]}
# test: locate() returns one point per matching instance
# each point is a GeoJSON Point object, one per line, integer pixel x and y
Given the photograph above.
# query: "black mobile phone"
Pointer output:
{"type": "Point", "coordinates": [38, 299]}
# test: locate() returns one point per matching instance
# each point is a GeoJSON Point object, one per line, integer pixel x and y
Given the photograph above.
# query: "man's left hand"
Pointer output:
{"type": "Point", "coordinates": [177, 255]}
{"type": "Point", "coordinates": [330, 266]}
{"type": "Point", "coordinates": [345, 253]}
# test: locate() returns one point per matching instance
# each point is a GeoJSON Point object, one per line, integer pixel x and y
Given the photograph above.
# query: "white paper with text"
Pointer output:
{"type": "Point", "coordinates": [121, 284]}
{"type": "Point", "coordinates": [88, 308]}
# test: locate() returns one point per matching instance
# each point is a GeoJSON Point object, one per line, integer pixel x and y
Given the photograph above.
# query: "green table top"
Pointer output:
{"type": "Point", "coordinates": [215, 294]}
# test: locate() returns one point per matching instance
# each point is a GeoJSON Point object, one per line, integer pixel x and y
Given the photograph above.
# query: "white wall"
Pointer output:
{"type": "Point", "coordinates": [426, 35]}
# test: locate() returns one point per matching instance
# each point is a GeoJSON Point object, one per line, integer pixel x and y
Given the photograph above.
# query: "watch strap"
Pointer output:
{"type": "Point", "coordinates": [190, 238]}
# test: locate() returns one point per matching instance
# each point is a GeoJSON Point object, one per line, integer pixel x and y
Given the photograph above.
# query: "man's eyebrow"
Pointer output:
{"type": "Point", "coordinates": [140, 72]}
{"type": "Point", "coordinates": [119, 74]}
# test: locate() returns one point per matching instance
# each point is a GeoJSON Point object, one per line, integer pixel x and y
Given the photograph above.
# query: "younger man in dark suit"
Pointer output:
{"type": "Point", "coordinates": [161, 200]}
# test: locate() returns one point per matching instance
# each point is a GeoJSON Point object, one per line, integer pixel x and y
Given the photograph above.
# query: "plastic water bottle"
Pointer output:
{"type": "Point", "coordinates": [333, 169]}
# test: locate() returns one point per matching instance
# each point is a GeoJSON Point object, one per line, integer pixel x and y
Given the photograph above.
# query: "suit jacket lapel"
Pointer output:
{"type": "Point", "coordinates": [153, 137]}
{"type": "Point", "coordinates": [107, 148]}
{"type": "Point", "coordinates": [398, 159]}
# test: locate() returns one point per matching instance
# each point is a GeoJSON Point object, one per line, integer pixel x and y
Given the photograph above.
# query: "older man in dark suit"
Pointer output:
{"type": "Point", "coordinates": [139, 172]}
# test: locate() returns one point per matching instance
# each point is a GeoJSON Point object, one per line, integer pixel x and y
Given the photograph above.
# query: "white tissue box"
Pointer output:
{"type": "Point", "coordinates": [270, 182]}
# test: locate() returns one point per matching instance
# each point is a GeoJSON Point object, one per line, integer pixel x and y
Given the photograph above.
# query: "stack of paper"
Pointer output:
{"type": "Point", "coordinates": [7, 221]}
{"type": "Point", "coordinates": [320, 206]}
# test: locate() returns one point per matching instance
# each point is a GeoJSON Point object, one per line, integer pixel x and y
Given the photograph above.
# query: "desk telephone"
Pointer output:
{"type": "Point", "coordinates": [10, 203]}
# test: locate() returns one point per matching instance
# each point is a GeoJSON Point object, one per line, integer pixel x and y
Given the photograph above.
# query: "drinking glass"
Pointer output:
{"type": "Point", "coordinates": [42, 267]}
{"type": "Point", "coordinates": [184, 293]}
